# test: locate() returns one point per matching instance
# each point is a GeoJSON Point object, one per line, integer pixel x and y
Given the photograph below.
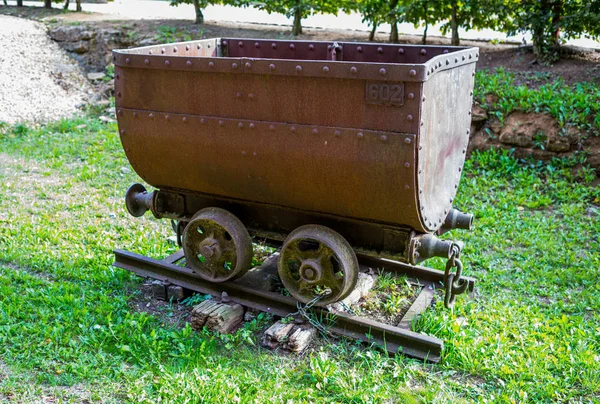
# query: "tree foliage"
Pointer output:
{"type": "Point", "coordinates": [472, 14]}
{"type": "Point", "coordinates": [375, 12]}
{"type": "Point", "coordinates": [467, 14]}
{"type": "Point", "coordinates": [421, 13]}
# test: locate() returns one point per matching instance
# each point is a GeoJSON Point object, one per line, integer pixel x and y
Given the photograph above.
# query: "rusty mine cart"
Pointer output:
{"type": "Point", "coordinates": [346, 155]}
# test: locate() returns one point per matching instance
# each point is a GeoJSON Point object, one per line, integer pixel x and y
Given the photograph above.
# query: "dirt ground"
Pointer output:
{"type": "Point", "coordinates": [577, 65]}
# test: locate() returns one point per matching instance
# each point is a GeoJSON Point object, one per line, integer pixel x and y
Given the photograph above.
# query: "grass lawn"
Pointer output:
{"type": "Point", "coordinates": [67, 332]}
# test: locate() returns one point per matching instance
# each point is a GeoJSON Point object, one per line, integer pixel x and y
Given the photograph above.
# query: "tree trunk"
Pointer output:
{"type": "Point", "coordinates": [425, 9]}
{"type": "Point", "coordinates": [372, 33]}
{"type": "Point", "coordinates": [199, 15]}
{"type": "Point", "coordinates": [557, 10]}
{"type": "Point", "coordinates": [5, 3]}
{"type": "Point", "coordinates": [541, 31]}
{"type": "Point", "coordinates": [394, 33]}
{"type": "Point", "coordinates": [538, 43]}
{"type": "Point", "coordinates": [48, 3]}
{"type": "Point", "coordinates": [66, 7]}
{"type": "Point", "coordinates": [19, 3]}
{"type": "Point", "coordinates": [78, 5]}
{"type": "Point", "coordinates": [454, 25]}
{"type": "Point", "coordinates": [394, 21]}
{"type": "Point", "coordinates": [297, 27]}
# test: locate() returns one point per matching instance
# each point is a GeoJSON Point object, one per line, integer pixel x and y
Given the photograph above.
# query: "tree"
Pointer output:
{"type": "Point", "coordinates": [421, 12]}
{"type": "Point", "coordinates": [394, 18]}
{"type": "Point", "coordinates": [199, 5]}
{"type": "Point", "coordinates": [551, 21]}
{"type": "Point", "coordinates": [466, 14]}
{"type": "Point", "coordinates": [198, 11]}
{"type": "Point", "coordinates": [296, 9]}
{"type": "Point", "coordinates": [373, 12]}
{"type": "Point", "coordinates": [473, 14]}
{"type": "Point", "coordinates": [77, 5]}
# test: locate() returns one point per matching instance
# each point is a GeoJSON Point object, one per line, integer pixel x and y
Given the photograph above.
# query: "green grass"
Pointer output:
{"type": "Point", "coordinates": [577, 105]}
{"type": "Point", "coordinates": [67, 330]}
{"type": "Point", "coordinates": [170, 34]}
{"type": "Point", "coordinates": [391, 295]}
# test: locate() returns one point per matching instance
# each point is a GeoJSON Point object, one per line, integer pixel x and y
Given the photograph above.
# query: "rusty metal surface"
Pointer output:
{"type": "Point", "coordinates": [393, 339]}
{"type": "Point", "coordinates": [285, 98]}
{"type": "Point", "coordinates": [384, 62]}
{"type": "Point", "coordinates": [317, 262]}
{"type": "Point", "coordinates": [355, 173]}
{"type": "Point", "coordinates": [273, 223]}
{"type": "Point", "coordinates": [217, 245]}
{"type": "Point", "coordinates": [331, 128]}
{"type": "Point", "coordinates": [443, 140]}
{"type": "Point", "coordinates": [413, 271]}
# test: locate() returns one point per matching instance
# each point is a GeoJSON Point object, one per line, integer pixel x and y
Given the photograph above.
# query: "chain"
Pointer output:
{"type": "Point", "coordinates": [303, 311]}
{"type": "Point", "coordinates": [347, 308]}
{"type": "Point", "coordinates": [453, 283]}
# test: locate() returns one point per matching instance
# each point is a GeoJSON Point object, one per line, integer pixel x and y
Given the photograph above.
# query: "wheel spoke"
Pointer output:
{"type": "Point", "coordinates": [331, 280]}
{"type": "Point", "coordinates": [335, 289]}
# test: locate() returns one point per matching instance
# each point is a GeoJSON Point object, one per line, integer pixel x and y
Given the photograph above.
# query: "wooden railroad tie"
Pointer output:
{"type": "Point", "coordinates": [289, 336]}
{"type": "Point", "coordinates": [220, 317]}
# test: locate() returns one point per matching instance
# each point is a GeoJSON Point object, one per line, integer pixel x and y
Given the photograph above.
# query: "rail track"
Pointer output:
{"type": "Point", "coordinates": [394, 339]}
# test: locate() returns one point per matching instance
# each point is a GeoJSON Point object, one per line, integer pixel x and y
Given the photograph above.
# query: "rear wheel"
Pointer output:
{"type": "Point", "coordinates": [216, 245]}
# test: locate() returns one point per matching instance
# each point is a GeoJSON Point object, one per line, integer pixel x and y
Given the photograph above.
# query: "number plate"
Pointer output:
{"type": "Point", "coordinates": [385, 93]}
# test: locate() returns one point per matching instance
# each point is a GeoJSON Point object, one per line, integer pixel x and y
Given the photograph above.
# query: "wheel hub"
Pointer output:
{"type": "Point", "coordinates": [210, 248]}
{"type": "Point", "coordinates": [311, 271]}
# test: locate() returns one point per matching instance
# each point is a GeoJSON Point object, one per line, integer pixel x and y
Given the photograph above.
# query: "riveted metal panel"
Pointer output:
{"type": "Point", "coordinates": [347, 172]}
{"type": "Point", "coordinates": [288, 97]}
{"type": "Point", "coordinates": [387, 53]}
{"type": "Point", "coordinates": [201, 48]}
{"type": "Point", "coordinates": [443, 140]}
{"type": "Point", "coordinates": [375, 62]}
{"type": "Point", "coordinates": [276, 49]}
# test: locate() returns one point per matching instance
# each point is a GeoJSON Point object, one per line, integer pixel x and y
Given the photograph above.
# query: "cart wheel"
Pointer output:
{"type": "Point", "coordinates": [216, 245]}
{"type": "Point", "coordinates": [316, 260]}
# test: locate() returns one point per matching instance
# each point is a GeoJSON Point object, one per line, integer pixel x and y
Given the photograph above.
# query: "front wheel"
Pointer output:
{"type": "Point", "coordinates": [216, 245]}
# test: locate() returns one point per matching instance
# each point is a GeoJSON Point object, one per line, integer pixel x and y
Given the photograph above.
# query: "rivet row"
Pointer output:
{"type": "Point", "coordinates": [299, 68]}
{"type": "Point", "coordinates": [252, 125]}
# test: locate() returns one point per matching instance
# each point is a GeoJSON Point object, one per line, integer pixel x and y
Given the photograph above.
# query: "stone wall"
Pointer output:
{"type": "Point", "coordinates": [90, 47]}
